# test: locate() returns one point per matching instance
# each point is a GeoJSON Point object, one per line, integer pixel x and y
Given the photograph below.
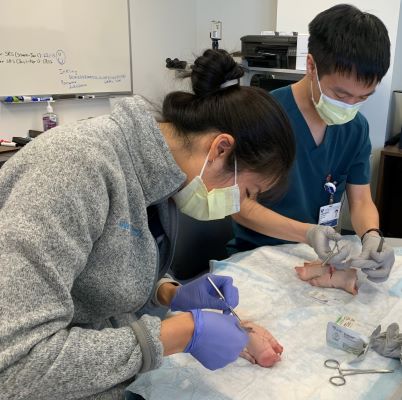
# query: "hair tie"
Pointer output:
{"type": "Point", "coordinates": [232, 82]}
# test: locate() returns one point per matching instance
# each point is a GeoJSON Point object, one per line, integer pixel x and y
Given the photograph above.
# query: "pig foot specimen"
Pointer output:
{"type": "Point", "coordinates": [311, 270]}
{"type": "Point", "coordinates": [262, 349]}
{"type": "Point", "coordinates": [327, 276]}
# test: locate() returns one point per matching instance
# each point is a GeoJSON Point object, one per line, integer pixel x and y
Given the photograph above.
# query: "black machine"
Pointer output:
{"type": "Point", "coordinates": [270, 51]}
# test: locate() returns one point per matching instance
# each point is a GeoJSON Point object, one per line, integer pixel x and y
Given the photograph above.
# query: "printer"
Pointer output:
{"type": "Point", "coordinates": [270, 51]}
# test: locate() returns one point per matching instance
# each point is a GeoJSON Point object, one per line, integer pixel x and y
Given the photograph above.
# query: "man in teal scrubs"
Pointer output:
{"type": "Point", "coordinates": [349, 54]}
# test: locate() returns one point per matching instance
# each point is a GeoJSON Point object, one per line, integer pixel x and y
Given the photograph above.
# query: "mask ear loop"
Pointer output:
{"type": "Point", "coordinates": [205, 164]}
{"type": "Point", "coordinates": [318, 79]}
{"type": "Point", "coordinates": [319, 85]}
{"type": "Point", "coordinates": [235, 164]}
{"type": "Point", "coordinates": [206, 161]}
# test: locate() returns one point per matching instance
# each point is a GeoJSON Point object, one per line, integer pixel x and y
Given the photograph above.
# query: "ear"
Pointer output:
{"type": "Point", "coordinates": [221, 147]}
{"type": "Point", "coordinates": [310, 66]}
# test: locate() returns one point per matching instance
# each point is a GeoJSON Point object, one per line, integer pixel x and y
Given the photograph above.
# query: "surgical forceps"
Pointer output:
{"type": "Point", "coordinates": [232, 311]}
{"type": "Point", "coordinates": [339, 380]}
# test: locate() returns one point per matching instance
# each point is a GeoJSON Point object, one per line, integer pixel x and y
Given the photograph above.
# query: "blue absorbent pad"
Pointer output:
{"type": "Point", "coordinates": [396, 290]}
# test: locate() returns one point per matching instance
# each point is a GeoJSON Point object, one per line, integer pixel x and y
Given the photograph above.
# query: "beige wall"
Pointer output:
{"type": "Point", "coordinates": [239, 18]}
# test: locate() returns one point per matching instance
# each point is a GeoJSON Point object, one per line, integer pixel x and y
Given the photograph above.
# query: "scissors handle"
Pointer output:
{"type": "Point", "coordinates": [331, 363]}
{"type": "Point", "coordinates": [337, 380]}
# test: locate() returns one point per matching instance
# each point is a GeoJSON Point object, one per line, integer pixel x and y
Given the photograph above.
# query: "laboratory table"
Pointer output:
{"type": "Point", "coordinates": [297, 314]}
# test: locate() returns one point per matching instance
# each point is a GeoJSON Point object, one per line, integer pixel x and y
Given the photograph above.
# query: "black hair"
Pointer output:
{"type": "Point", "coordinates": [346, 40]}
{"type": "Point", "coordinates": [263, 136]}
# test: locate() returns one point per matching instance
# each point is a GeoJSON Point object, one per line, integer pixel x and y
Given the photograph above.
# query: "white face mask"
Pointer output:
{"type": "Point", "coordinates": [195, 201]}
{"type": "Point", "coordinates": [331, 111]}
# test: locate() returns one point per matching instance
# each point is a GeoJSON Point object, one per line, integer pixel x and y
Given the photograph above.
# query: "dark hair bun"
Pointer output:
{"type": "Point", "coordinates": [212, 69]}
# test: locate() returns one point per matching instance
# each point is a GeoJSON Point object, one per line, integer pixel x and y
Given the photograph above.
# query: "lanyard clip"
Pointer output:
{"type": "Point", "coordinates": [330, 187]}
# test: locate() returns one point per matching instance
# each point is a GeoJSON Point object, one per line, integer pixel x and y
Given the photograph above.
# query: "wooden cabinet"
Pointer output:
{"type": "Point", "coordinates": [389, 191]}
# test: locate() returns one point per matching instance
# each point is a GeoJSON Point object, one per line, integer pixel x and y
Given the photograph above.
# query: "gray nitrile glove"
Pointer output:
{"type": "Point", "coordinates": [319, 237]}
{"type": "Point", "coordinates": [388, 343]}
{"type": "Point", "coordinates": [377, 265]}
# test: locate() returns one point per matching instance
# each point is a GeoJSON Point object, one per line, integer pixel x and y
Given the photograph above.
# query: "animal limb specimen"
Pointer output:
{"type": "Point", "coordinates": [327, 276]}
{"type": "Point", "coordinates": [262, 349]}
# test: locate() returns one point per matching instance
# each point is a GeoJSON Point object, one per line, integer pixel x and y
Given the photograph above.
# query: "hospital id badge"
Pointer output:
{"type": "Point", "coordinates": [329, 214]}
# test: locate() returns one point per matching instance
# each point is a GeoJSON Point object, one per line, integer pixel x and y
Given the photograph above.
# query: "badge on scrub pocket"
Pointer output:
{"type": "Point", "coordinates": [329, 214]}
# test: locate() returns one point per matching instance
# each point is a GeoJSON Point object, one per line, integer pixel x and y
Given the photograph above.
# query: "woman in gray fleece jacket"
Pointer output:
{"type": "Point", "coordinates": [88, 226]}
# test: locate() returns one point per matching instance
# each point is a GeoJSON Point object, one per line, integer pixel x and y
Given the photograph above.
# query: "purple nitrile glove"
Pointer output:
{"type": "Point", "coordinates": [217, 339]}
{"type": "Point", "coordinates": [200, 294]}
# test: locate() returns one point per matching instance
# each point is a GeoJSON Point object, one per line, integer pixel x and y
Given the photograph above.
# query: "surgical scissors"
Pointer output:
{"type": "Point", "coordinates": [339, 380]}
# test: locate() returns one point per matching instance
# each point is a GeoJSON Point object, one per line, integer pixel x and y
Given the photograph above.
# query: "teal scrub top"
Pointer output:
{"type": "Point", "coordinates": [344, 154]}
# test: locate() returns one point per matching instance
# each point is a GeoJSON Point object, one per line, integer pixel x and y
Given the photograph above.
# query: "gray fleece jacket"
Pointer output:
{"type": "Point", "coordinates": [78, 259]}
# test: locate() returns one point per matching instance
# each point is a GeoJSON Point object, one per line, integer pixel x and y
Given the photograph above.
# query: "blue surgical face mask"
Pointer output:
{"type": "Point", "coordinates": [331, 111]}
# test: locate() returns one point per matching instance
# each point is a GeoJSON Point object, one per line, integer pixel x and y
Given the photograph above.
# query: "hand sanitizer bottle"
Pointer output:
{"type": "Point", "coordinates": [49, 118]}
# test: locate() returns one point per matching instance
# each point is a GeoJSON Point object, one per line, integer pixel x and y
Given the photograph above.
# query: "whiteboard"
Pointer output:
{"type": "Point", "coordinates": [55, 47]}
